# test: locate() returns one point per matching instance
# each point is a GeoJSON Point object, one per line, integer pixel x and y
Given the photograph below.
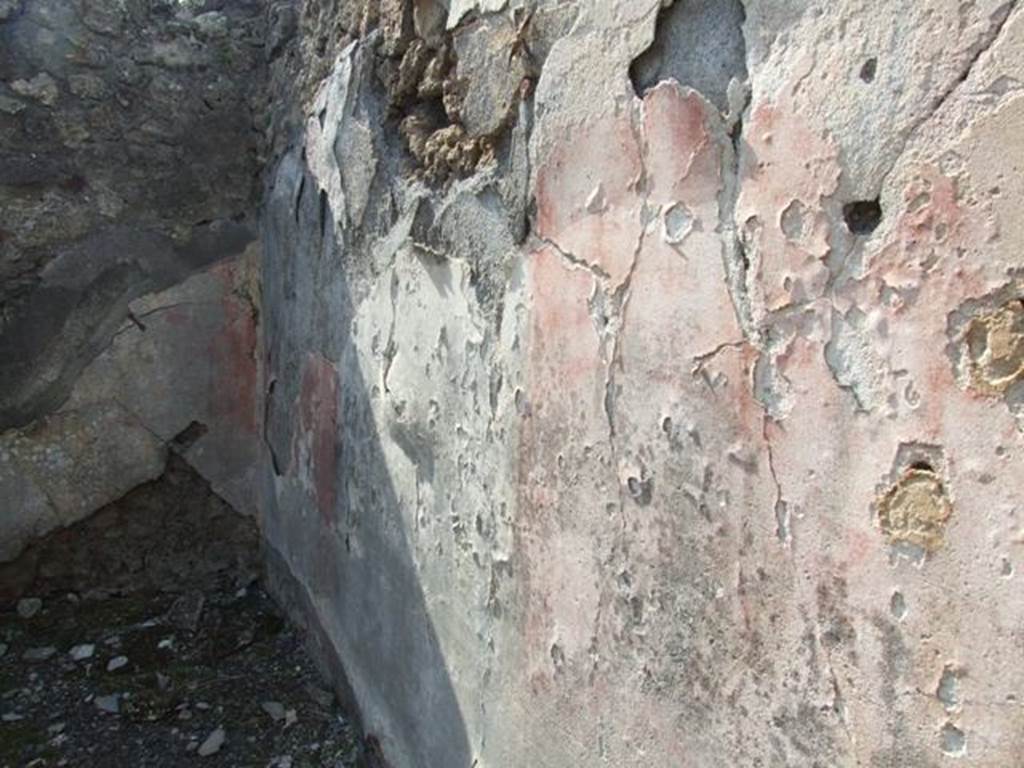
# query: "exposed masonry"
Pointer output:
{"type": "Point", "coordinates": [986, 346]}
{"type": "Point", "coordinates": [988, 343]}
{"type": "Point", "coordinates": [915, 505]}
{"type": "Point", "coordinates": [451, 125]}
{"type": "Point", "coordinates": [916, 509]}
{"type": "Point", "coordinates": [995, 348]}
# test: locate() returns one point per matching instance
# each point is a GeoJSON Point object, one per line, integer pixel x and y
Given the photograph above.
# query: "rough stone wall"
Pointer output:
{"type": "Point", "coordinates": [130, 150]}
{"type": "Point", "coordinates": [643, 380]}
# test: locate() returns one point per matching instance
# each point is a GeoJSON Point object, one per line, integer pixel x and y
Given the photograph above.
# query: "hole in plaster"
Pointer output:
{"type": "Point", "coordinates": [947, 692]}
{"type": "Point", "coordinates": [557, 656]}
{"type": "Point", "coordinates": [636, 605]}
{"type": "Point", "coordinates": [782, 521]}
{"type": "Point", "coordinates": [924, 466]}
{"type": "Point", "coordinates": [952, 741]}
{"type": "Point", "coordinates": [898, 605]}
{"type": "Point", "coordinates": [862, 216]}
{"type": "Point", "coordinates": [677, 224]}
{"type": "Point", "coordinates": [641, 490]}
{"type": "Point", "coordinates": [868, 70]}
{"type": "Point", "coordinates": [793, 220]}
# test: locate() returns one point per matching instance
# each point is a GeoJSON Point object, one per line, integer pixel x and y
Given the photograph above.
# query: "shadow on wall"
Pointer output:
{"type": "Point", "coordinates": [338, 552]}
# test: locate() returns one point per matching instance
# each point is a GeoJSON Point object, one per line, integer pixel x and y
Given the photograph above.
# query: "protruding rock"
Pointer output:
{"type": "Point", "coordinates": [42, 88]}
{"type": "Point", "coordinates": [213, 743]}
{"type": "Point", "coordinates": [111, 703]}
{"type": "Point", "coordinates": [82, 652]}
{"type": "Point", "coordinates": [275, 709]}
{"type": "Point", "coordinates": [29, 607]}
{"type": "Point", "coordinates": [39, 654]}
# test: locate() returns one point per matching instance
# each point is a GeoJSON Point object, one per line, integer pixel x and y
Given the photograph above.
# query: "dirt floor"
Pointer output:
{"type": "Point", "coordinates": [213, 678]}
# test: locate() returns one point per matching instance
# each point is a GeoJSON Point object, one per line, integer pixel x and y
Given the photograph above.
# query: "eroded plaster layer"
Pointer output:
{"type": "Point", "coordinates": [678, 424]}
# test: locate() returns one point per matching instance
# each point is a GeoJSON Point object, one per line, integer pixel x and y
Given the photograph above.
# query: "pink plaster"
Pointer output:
{"type": "Point", "coordinates": [318, 425]}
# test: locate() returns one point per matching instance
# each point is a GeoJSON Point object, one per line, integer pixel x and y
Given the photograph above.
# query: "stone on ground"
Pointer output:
{"type": "Point", "coordinates": [213, 743]}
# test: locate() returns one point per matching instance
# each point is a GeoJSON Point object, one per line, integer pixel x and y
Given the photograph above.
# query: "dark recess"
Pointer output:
{"type": "Point", "coordinates": [862, 216]}
{"type": "Point", "coordinates": [171, 534]}
{"type": "Point", "coordinates": [867, 71]}
{"type": "Point", "coordinates": [188, 437]}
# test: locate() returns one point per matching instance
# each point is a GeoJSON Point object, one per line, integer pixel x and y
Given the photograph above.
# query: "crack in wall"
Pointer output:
{"type": "Point", "coordinates": [704, 358]}
{"type": "Point", "coordinates": [620, 299]}
{"type": "Point", "coordinates": [391, 348]}
{"type": "Point", "coordinates": [135, 320]}
{"type": "Point", "coordinates": [781, 507]}
{"type": "Point", "coordinates": [622, 293]}
{"type": "Point", "coordinates": [576, 261]}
